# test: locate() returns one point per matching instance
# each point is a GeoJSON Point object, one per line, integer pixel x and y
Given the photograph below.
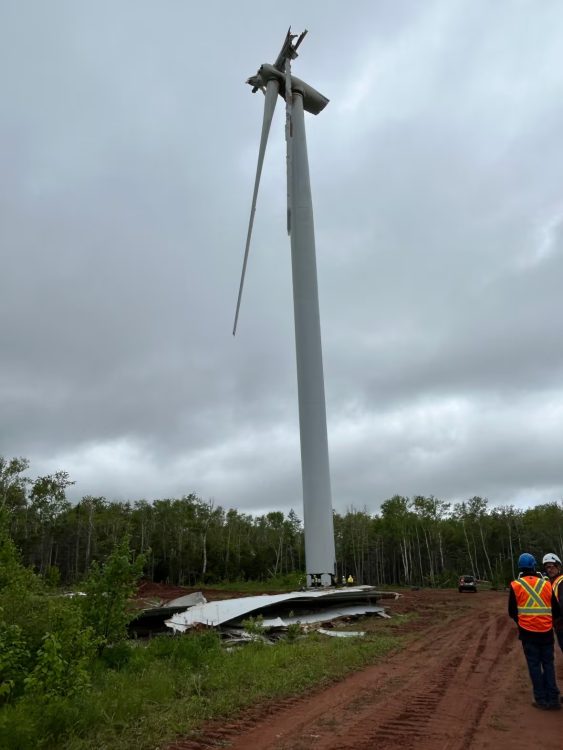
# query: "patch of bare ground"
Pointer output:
{"type": "Point", "coordinates": [166, 592]}
{"type": "Point", "coordinates": [460, 683]}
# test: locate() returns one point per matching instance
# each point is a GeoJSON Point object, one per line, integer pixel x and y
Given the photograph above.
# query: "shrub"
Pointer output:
{"type": "Point", "coordinates": [61, 664]}
{"type": "Point", "coordinates": [14, 661]}
{"type": "Point", "coordinates": [108, 589]}
{"type": "Point", "coordinates": [293, 632]}
{"type": "Point", "coordinates": [18, 585]}
{"type": "Point", "coordinates": [254, 625]}
{"type": "Point", "coordinates": [45, 648]}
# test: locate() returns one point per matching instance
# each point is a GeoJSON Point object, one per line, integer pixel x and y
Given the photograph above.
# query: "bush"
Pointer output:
{"type": "Point", "coordinates": [14, 661]}
{"type": "Point", "coordinates": [254, 625]}
{"type": "Point", "coordinates": [108, 589]}
{"type": "Point", "coordinates": [62, 662]}
{"type": "Point", "coordinates": [293, 632]}
{"type": "Point", "coordinates": [45, 647]}
{"type": "Point", "coordinates": [18, 585]}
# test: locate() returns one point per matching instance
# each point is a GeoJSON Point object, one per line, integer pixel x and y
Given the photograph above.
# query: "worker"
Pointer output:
{"type": "Point", "coordinates": [553, 568]}
{"type": "Point", "coordinates": [532, 605]}
{"type": "Point", "coordinates": [350, 580]}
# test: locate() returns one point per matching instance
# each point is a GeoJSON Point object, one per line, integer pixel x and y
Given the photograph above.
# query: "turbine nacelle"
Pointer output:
{"type": "Point", "coordinates": [274, 80]}
{"type": "Point", "coordinates": [313, 101]}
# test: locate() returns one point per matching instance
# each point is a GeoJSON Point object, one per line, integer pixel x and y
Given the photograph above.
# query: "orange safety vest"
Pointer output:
{"type": "Point", "coordinates": [555, 586]}
{"type": "Point", "coordinates": [533, 597]}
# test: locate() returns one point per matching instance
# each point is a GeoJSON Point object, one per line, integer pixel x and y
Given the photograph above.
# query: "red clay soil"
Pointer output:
{"type": "Point", "coordinates": [166, 592]}
{"type": "Point", "coordinates": [459, 684]}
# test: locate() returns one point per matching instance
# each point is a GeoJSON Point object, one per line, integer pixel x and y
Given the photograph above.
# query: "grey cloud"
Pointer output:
{"type": "Point", "coordinates": [129, 149]}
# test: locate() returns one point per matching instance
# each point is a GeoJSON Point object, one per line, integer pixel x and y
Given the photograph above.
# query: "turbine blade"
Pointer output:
{"type": "Point", "coordinates": [298, 42]}
{"type": "Point", "coordinates": [288, 139]}
{"type": "Point", "coordinates": [287, 49]}
{"type": "Point", "coordinates": [271, 96]}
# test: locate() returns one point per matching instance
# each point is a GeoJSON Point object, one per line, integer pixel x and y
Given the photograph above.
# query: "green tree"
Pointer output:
{"type": "Point", "coordinates": [12, 482]}
{"type": "Point", "coordinates": [48, 504]}
{"type": "Point", "coordinates": [108, 589]}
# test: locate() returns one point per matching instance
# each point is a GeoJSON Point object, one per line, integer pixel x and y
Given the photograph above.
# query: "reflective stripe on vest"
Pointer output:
{"type": "Point", "coordinates": [555, 586]}
{"type": "Point", "coordinates": [535, 604]}
{"type": "Point", "coordinates": [533, 598]}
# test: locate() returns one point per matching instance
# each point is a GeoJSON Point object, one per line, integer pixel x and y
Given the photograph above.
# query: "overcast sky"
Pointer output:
{"type": "Point", "coordinates": [128, 145]}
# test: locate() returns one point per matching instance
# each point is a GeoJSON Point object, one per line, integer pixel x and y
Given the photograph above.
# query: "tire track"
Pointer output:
{"type": "Point", "coordinates": [432, 694]}
{"type": "Point", "coordinates": [411, 723]}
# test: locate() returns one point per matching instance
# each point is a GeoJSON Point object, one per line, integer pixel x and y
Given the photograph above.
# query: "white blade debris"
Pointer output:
{"type": "Point", "coordinates": [361, 599]}
{"type": "Point", "coordinates": [343, 633]}
{"type": "Point", "coordinates": [323, 616]}
{"type": "Point", "coordinates": [189, 600]}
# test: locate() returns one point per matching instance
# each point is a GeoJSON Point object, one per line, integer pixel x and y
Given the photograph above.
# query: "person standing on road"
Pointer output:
{"type": "Point", "coordinates": [552, 566]}
{"type": "Point", "coordinates": [532, 606]}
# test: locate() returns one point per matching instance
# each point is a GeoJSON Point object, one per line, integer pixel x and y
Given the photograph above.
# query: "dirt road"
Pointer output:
{"type": "Point", "coordinates": [460, 684]}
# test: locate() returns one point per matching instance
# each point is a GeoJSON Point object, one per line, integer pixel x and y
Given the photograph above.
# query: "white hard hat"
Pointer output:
{"type": "Point", "coordinates": [551, 557]}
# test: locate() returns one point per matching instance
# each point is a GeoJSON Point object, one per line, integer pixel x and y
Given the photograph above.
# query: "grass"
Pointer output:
{"type": "Point", "coordinates": [143, 696]}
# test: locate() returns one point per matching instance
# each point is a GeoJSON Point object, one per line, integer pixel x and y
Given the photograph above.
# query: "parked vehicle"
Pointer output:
{"type": "Point", "coordinates": [467, 583]}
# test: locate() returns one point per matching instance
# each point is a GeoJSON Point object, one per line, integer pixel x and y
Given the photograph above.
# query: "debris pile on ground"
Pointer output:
{"type": "Point", "coordinates": [151, 619]}
{"type": "Point", "coordinates": [278, 612]}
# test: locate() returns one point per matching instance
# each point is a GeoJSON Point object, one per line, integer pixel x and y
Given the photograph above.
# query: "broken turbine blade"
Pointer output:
{"type": "Point", "coordinates": [298, 42]}
{"type": "Point", "coordinates": [272, 89]}
{"type": "Point", "coordinates": [286, 51]}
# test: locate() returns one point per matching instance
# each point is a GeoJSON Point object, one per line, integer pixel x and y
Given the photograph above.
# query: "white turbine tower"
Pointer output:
{"type": "Point", "coordinates": [320, 558]}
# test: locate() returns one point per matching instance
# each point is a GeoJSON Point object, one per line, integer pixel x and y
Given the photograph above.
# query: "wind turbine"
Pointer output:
{"type": "Point", "coordinates": [274, 80]}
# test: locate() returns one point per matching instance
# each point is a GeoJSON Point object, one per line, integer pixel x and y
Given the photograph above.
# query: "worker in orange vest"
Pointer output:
{"type": "Point", "coordinates": [532, 606]}
{"type": "Point", "coordinates": [552, 566]}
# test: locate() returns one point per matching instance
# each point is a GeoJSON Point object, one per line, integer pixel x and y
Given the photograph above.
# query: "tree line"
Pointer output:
{"type": "Point", "coordinates": [410, 541]}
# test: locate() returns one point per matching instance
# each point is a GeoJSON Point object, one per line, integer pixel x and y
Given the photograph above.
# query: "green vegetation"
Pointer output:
{"type": "Point", "coordinates": [108, 589]}
{"type": "Point", "coordinates": [70, 679]}
{"type": "Point", "coordinates": [423, 541]}
{"type": "Point", "coordinates": [48, 642]}
{"type": "Point", "coordinates": [254, 625]}
{"type": "Point", "coordinates": [145, 695]}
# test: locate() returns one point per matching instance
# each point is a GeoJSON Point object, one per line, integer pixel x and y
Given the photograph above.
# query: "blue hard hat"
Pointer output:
{"type": "Point", "coordinates": [526, 561]}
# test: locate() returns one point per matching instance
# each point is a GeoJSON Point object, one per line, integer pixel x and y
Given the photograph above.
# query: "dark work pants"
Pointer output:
{"type": "Point", "coordinates": [559, 634]}
{"type": "Point", "coordinates": [542, 672]}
